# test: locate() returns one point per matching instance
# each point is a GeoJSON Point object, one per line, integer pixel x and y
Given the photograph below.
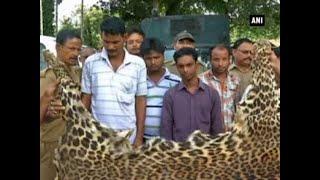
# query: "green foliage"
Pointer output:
{"type": "Point", "coordinates": [238, 12]}
{"type": "Point", "coordinates": [133, 12]}
{"type": "Point", "coordinates": [91, 31]}
{"type": "Point", "coordinates": [183, 7]}
{"type": "Point", "coordinates": [48, 17]}
{"type": "Point", "coordinates": [91, 25]}
{"type": "Point", "coordinates": [67, 24]}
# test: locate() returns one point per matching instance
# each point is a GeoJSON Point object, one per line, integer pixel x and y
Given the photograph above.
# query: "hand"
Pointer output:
{"type": "Point", "coordinates": [55, 108]}
{"type": "Point", "coordinates": [275, 64]}
{"type": "Point", "coordinates": [50, 90]}
{"type": "Point", "coordinates": [138, 142]}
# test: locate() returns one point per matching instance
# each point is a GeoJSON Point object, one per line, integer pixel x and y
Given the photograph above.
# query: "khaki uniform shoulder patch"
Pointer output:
{"type": "Point", "coordinates": [171, 63]}
{"type": "Point", "coordinates": [46, 72]}
{"type": "Point", "coordinates": [43, 73]}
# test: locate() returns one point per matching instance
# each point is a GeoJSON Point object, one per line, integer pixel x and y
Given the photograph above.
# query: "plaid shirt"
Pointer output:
{"type": "Point", "coordinates": [228, 91]}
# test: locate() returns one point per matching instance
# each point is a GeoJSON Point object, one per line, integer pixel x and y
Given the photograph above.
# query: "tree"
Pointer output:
{"type": "Point", "coordinates": [67, 24]}
{"type": "Point", "coordinates": [41, 21]}
{"type": "Point", "coordinates": [238, 12]}
{"type": "Point", "coordinates": [48, 17]}
{"type": "Point", "coordinates": [91, 27]}
{"type": "Point", "coordinates": [132, 12]}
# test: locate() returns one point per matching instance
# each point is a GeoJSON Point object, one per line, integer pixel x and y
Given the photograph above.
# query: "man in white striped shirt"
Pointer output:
{"type": "Point", "coordinates": [114, 83]}
{"type": "Point", "coordinates": [159, 80]}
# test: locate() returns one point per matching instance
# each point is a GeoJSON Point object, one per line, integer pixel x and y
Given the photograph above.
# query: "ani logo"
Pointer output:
{"type": "Point", "coordinates": [257, 20]}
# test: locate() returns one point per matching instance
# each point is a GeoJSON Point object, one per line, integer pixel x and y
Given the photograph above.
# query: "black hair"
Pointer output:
{"type": "Point", "coordinates": [219, 46]}
{"type": "Point", "coordinates": [113, 25]}
{"type": "Point", "coordinates": [137, 30]}
{"type": "Point", "coordinates": [185, 51]}
{"type": "Point", "coordinates": [151, 44]}
{"type": "Point", "coordinates": [276, 51]}
{"type": "Point", "coordinates": [64, 34]}
{"type": "Point", "coordinates": [238, 42]}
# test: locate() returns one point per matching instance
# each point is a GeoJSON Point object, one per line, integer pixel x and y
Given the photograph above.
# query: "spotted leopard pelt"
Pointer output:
{"type": "Point", "coordinates": [57, 66]}
{"type": "Point", "coordinates": [250, 151]}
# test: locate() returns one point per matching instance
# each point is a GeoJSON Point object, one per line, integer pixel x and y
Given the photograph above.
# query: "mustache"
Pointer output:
{"type": "Point", "coordinates": [76, 57]}
{"type": "Point", "coordinates": [111, 50]}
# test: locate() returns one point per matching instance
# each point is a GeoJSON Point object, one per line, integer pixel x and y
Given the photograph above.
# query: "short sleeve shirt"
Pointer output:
{"type": "Point", "coordinates": [113, 92]}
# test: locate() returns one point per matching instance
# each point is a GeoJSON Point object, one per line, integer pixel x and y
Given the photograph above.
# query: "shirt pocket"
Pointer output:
{"type": "Point", "coordinates": [125, 98]}
{"type": "Point", "coordinates": [126, 85]}
{"type": "Point", "coordinates": [125, 90]}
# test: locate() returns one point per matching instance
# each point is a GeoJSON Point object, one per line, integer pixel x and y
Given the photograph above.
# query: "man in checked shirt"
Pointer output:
{"type": "Point", "coordinates": [227, 85]}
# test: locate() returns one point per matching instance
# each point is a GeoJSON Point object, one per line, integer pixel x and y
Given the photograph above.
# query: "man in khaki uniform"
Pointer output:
{"type": "Point", "coordinates": [51, 124]}
{"type": "Point", "coordinates": [85, 53]}
{"type": "Point", "coordinates": [184, 39]}
{"type": "Point", "coordinates": [241, 67]}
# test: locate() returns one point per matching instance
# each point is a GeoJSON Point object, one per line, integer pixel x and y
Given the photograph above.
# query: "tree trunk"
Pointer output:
{"type": "Point", "coordinates": [56, 16]}
{"type": "Point", "coordinates": [41, 20]}
{"type": "Point", "coordinates": [81, 26]}
{"type": "Point", "coordinates": [155, 8]}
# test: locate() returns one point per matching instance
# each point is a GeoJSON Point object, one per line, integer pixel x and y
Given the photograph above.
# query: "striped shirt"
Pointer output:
{"type": "Point", "coordinates": [113, 93]}
{"type": "Point", "coordinates": [155, 100]}
{"type": "Point", "coordinates": [228, 92]}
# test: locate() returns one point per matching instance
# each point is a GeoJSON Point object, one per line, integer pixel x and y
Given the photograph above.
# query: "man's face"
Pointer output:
{"type": "Point", "coordinates": [69, 51]}
{"type": "Point", "coordinates": [154, 61]}
{"type": "Point", "coordinates": [273, 56]}
{"type": "Point", "coordinates": [243, 54]}
{"type": "Point", "coordinates": [184, 43]}
{"type": "Point", "coordinates": [113, 43]}
{"type": "Point", "coordinates": [186, 66]}
{"type": "Point", "coordinates": [134, 42]}
{"type": "Point", "coordinates": [220, 60]}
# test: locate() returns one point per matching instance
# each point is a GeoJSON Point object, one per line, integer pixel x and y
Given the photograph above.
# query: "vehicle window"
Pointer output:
{"type": "Point", "coordinates": [168, 54]}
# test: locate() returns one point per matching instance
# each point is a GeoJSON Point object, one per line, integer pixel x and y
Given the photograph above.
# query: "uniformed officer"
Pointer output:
{"type": "Point", "coordinates": [181, 40]}
{"type": "Point", "coordinates": [85, 53]}
{"type": "Point", "coordinates": [68, 47]}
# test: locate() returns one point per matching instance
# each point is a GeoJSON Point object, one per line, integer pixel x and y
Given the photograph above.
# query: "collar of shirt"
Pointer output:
{"type": "Point", "coordinates": [232, 66]}
{"type": "Point", "coordinates": [80, 63]}
{"type": "Point", "coordinates": [165, 75]}
{"type": "Point", "coordinates": [60, 62]}
{"type": "Point", "coordinates": [126, 60]}
{"type": "Point", "coordinates": [230, 78]}
{"type": "Point", "coordinates": [183, 86]}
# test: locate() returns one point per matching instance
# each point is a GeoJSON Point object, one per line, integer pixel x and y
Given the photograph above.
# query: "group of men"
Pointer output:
{"type": "Point", "coordinates": [128, 86]}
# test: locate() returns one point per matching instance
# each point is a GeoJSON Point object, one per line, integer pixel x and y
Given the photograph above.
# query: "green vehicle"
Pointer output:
{"type": "Point", "coordinates": [207, 30]}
